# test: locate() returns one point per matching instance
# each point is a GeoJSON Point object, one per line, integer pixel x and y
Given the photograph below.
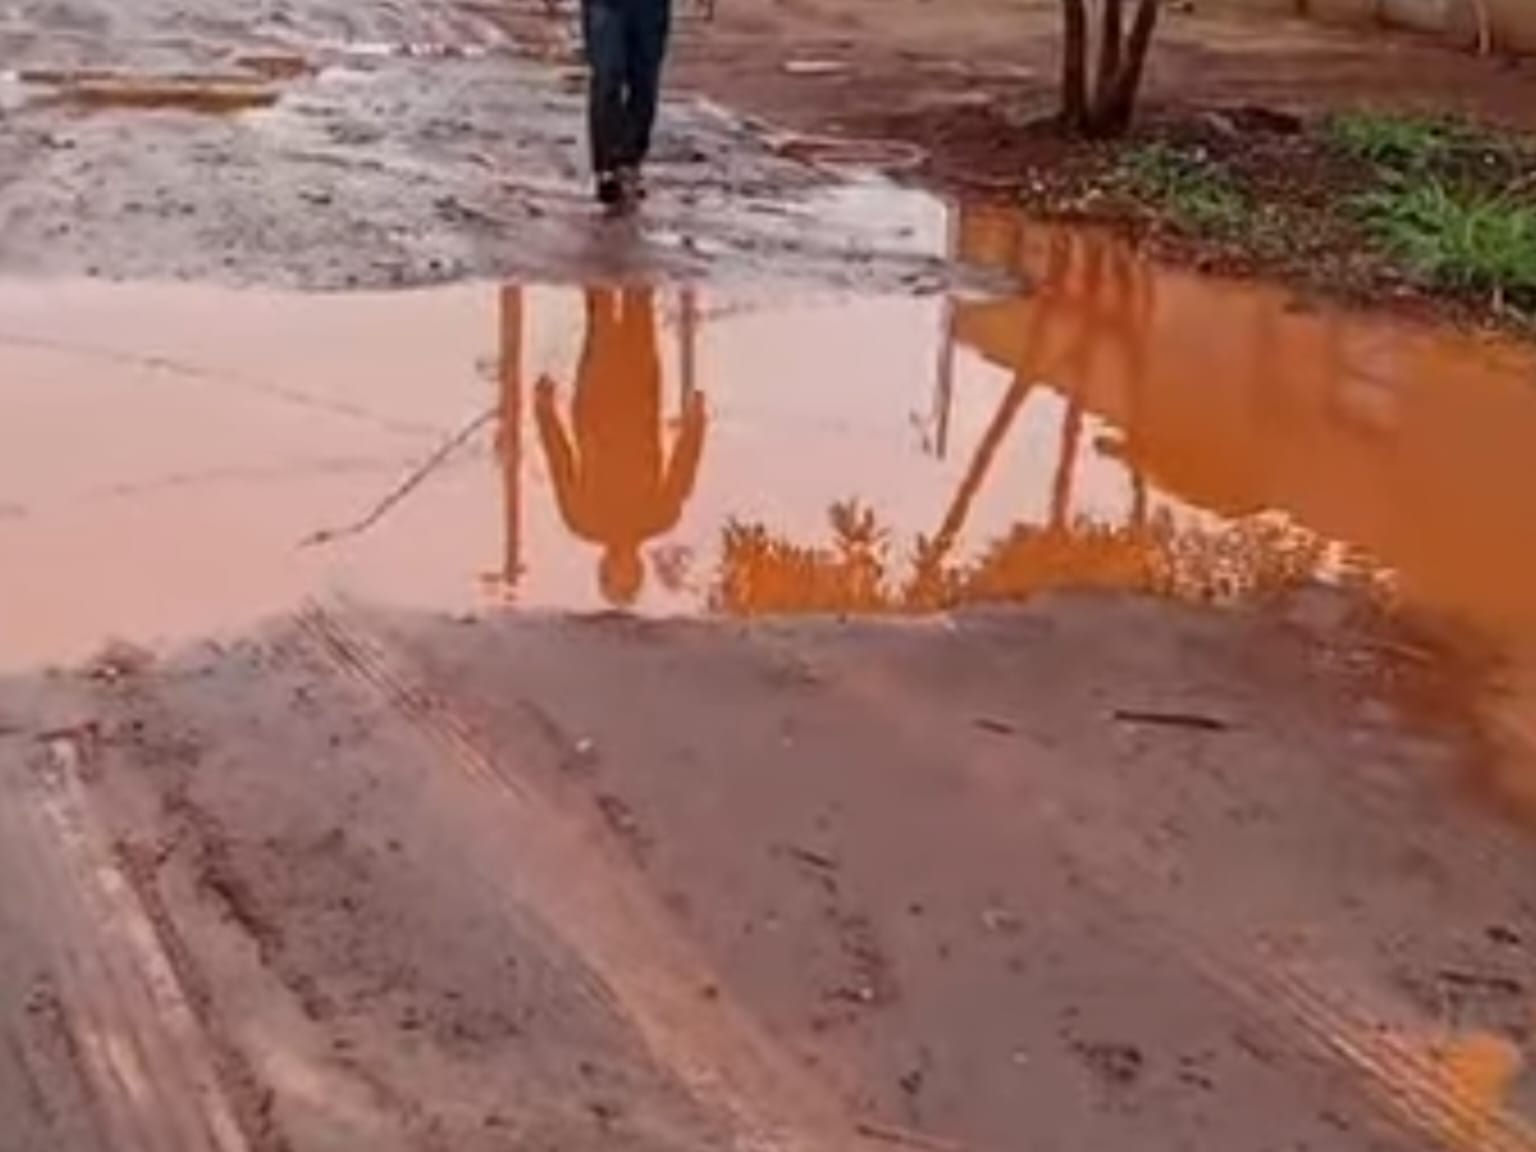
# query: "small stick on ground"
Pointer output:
{"type": "Point", "coordinates": [1171, 719]}
{"type": "Point", "coordinates": [906, 1137]}
{"type": "Point", "coordinates": [405, 487]}
{"type": "Point", "coordinates": [814, 859]}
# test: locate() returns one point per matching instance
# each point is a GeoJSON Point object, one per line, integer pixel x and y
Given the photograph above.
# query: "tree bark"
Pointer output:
{"type": "Point", "coordinates": [1074, 66]}
{"type": "Point", "coordinates": [1111, 37]}
{"type": "Point", "coordinates": [1113, 111]}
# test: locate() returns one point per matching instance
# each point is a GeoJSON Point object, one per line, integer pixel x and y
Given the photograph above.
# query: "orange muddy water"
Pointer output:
{"type": "Point", "coordinates": [178, 461]}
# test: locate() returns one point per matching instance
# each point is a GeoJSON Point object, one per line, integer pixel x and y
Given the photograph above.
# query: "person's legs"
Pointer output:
{"type": "Point", "coordinates": [646, 43]}
{"type": "Point", "coordinates": [603, 29]}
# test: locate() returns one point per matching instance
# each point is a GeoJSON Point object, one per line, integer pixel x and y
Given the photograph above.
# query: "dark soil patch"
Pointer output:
{"type": "Point", "coordinates": [1251, 190]}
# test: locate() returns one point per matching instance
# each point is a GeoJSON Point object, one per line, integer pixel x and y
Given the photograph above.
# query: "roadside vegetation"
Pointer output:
{"type": "Point", "coordinates": [1456, 205]}
{"type": "Point", "coordinates": [1363, 204]}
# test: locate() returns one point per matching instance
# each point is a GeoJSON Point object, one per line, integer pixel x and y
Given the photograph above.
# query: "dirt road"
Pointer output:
{"type": "Point", "coordinates": [381, 145]}
{"type": "Point", "coordinates": [1059, 718]}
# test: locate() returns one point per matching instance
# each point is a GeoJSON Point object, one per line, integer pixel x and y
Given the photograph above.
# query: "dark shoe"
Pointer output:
{"type": "Point", "coordinates": [610, 190]}
{"type": "Point", "coordinates": [632, 182]}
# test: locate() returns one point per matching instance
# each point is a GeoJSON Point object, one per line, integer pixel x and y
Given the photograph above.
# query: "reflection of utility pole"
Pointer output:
{"type": "Point", "coordinates": [509, 435]}
{"type": "Point", "coordinates": [687, 331]}
{"type": "Point", "coordinates": [944, 394]}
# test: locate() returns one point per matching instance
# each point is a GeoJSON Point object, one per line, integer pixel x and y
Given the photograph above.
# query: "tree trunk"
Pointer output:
{"type": "Point", "coordinates": [1111, 36]}
{"type": "Point", "coordinates": [1074, 66]}
{"type": "Point", "coordinates": [1114, 108]}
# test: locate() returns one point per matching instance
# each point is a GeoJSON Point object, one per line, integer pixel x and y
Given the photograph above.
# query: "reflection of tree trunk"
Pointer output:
{"type": "Point", "coordinates": [1142, 301]}
{"type": "Point", "coordinates": [1138, 498]}
{"type": "Point", "coordinates": [1066, 464]}
{"type": "Point", "coordinates": [510, 434]}
{"type": "Point", "coordinates": [1074, 66]}
{"type": "Point", "coordinates": [981, 464]}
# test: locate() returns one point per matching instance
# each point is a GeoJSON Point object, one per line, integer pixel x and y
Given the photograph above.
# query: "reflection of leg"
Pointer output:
{"type": "Point", "coordinates": [602, 308]}
{"type": "Point", "coordinates": [598, 348]}
{"type": "Point", "coordinates": [639, 325]}
{"type": "Point", "coordinates": [647, 47]}
{"type": "Point", "coordinates": [637, 306]}
{"type": "Point", "coordinates": [603, 29]}
{"type": "Point", "coordinates": [638, 333]}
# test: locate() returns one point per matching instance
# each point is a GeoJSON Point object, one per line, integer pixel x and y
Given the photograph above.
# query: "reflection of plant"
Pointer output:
{"type": "Point", "coordinates": [1249, 559]}
{"type": "Point", "coordinates": [764, 574]}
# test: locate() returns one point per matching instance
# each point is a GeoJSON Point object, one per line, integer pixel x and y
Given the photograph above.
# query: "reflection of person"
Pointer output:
{"type": "Point", "coordinates": [615, 486]}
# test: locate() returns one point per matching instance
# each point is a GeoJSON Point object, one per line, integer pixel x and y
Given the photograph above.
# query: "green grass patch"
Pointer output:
{"type": "Point", "coordinates": [1403, 143]}
{"type": "Point", "coordinates": [1457, 239]}
{"type": "Point", "coordinates": [1449, 202]}
{"type": "Point", "coordinates": [1198, 193]}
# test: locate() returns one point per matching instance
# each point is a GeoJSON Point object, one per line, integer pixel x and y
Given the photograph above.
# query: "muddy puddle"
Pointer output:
{"type": "Point", "coordinates": [181, 461]}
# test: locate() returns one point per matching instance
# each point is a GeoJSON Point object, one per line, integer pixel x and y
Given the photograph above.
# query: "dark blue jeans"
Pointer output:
{"type": "Point", "coordinates": [626, 43]}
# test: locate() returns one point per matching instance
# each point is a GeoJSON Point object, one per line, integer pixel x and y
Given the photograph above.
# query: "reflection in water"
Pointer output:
{"type": "Point", "coordinates": [615, 485]}
{"type": "Point", "coordinates": [509, 436]}
{"type": "Point", "coordinates": [1121, 426]}
{"type": "Point", "coordinates": [1090, 322]}
{"type": "Point", "coordinates": [854, 572]}
{"type": "Point", "coordinates": [1401, 442]}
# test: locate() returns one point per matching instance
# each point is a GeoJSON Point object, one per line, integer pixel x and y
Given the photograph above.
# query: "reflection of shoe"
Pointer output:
{"type": "Point", "coordinates": [610, 190]}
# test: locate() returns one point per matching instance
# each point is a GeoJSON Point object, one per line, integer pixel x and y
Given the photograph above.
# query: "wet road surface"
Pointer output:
{"type": "Point", "coordinates": [347, 146]}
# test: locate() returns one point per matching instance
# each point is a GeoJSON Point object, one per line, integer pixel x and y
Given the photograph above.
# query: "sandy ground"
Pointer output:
{"type": "Point", "coordinates": [319, 832]}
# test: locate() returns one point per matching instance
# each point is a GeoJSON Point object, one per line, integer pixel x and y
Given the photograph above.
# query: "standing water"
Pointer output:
{"type": "Point", "coordinates": [745, 451]}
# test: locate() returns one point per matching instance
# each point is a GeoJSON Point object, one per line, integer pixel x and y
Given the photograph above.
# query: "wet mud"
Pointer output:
{"type": "Point", "coordinates": [344, 148]}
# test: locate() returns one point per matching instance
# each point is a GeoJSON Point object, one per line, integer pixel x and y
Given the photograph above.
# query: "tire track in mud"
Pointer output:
{"type": "Point", "coordinates": [155, 1080]}
{"type": "Point", "coordinates": [715, 1051]}
{"type": "Point", "coordinates": [1402, 1082]}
